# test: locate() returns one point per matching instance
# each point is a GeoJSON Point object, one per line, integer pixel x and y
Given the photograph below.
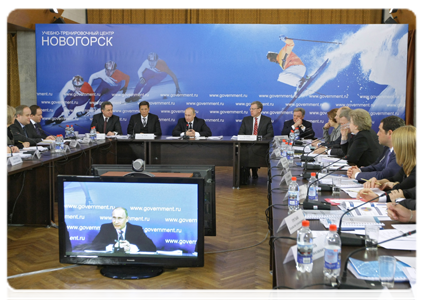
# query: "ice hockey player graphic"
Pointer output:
{"type": "Point", "coordinates": [152, 71]}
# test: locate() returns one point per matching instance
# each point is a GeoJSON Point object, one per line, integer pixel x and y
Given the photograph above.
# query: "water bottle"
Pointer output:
{"type": "Point", "coordinates": [312, 191]}
{"type": "Point", "coordinates": [72, 132]}
{"type": "Point", "coordinates": [291, 136]}
{"type": "Point", "coordinates": [290, 154]}
{"type": "Point", "coordinates": [59, 143]}
{"type": "Point", "coordinates": [283, 148]}
{"type": "Point", "coordinates": [297, 133]}
{"type": "Point", "coordinates": [93, 134]}
{"type": "Point", "coordinates": [332, 265]}
{"type": "Point", "coordinates": [305, 248]}
{"type": "Point", "coordinates": [293, 196]}
{"type": "Point", "coordinates": [67, 132]}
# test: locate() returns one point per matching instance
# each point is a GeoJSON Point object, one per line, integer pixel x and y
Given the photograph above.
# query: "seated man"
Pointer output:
{"type": "Point", "coordinates": [386, 165]}
{"type": "Point", "coordinates": [19, 128]}
{"type": "Point", "coordinates": [122, 234]}
{"type": "Point", "coordinates": [305, 127]}
{"type": "Point", "coordinates": [34, 129]}
{"type": "Point", "coordinates": [106, 122]}
{"type": "Point", "coordinates": [144, 122]}
{"type": "Point", "coordinates": [255, 124]}
{"type": "Point", "coordinates": [191, 125]}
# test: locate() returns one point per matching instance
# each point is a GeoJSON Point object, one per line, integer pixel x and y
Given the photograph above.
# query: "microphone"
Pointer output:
{"type": "Point", "coordinates": [133, 130]}
{"type": "Point", "coordinates": [318, 204]}
{"type": "Point", "coordinates": [88, 129]}
{"type": "Point", "coordinates": [369, 284]}
{"type": "Point", "coordinates": [185, 136]}
{"type": "Point", "coordinates": [308, 132]}
{"type": "Point", "coordinates": [349, 239]}
{"type": "Point", "coordinates": [314, 166]}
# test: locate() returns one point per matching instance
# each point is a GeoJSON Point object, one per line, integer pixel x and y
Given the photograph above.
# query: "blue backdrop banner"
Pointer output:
{"type": "Point", "coordinates": [219, 69]}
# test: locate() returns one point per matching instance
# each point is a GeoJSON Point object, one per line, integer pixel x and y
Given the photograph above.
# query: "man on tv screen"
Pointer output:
{"type": "Point", "coordinates": [122, 236]}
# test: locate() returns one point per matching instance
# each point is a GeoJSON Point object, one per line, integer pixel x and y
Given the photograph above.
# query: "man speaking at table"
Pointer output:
{"type": "Point", "coordinates": [122, 234]}
{"type": "Point", "coordinates": [191, 125]}
{"type": "Point", "coordinates": [255, 124]}
{"type": "Point", "coordinates": [106, 122]}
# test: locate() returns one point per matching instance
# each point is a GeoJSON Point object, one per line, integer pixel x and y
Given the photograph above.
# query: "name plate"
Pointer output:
{"type": "Point", "coordinates": [287, 177]}
{"type": "Point", "coordinates": [303, 192]}
{"type": "Point", "coordinates": [14, 160]}
{"type": "Point", "coordinates": [276, 153]}
{"type": "Point", "coordinates": [285, 163]}
{"type": "Point", "coordinates": [144, 136]}
{"type": "Point", "coordinates": [293, 221]}
{"type": "Point", "coordinates": [101, 136]}
{"type": "Point", "coordinates": [74, 144]}
{"type": "Point", "coordinates": [247, 137]}
{"type": "Point", "coordinates": [37, 154]}
{"type": "Point", "coordinates": [318, 248]}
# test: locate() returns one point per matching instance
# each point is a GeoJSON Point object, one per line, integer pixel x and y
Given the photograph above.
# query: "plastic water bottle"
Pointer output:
{"type": "Point", "coordinates": [291, 136]}
{"type": "Point", "coordinates": [67, 132]}
{"type": "Point", "coordinates": [72, 132]}
{"type": "Point", "coordinates": [312, 191]}
{"type": "Point", "coordinates": [290, 154]}
{"type": "Point", "coordinates": [283, 148]}
{"type": "Point", "coordinates": [305, 248]}
{"type": "Point", "coordinates": [297, 133]}
{"type": "Point", "coordinates": [332, 265]}
{"type": "Point", "coordinates": [93, 134]}
{"type": "Point", "coordinates": [293, 196]}
{"type": "Point", "coordinates": [59, 143]}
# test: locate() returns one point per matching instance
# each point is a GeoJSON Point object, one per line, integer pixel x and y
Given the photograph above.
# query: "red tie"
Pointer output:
{"type": "Point", "coordinates": [255, 127]}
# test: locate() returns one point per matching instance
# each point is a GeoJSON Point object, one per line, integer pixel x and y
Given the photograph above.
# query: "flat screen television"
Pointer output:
{"type": "Point", "coordinates": [202, 171]}
{"type": "Point", "coordinates": [133, 227]}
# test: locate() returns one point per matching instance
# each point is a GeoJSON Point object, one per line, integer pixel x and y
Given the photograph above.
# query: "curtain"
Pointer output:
{"type": "Point", "coordinates": [234, 16]}
{"type": "Point", "coordinates": [411, 63]}
{"type": "Point", "coordinates": [13, 88]}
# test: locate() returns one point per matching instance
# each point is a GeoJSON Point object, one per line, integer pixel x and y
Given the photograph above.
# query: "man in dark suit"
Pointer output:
{"type": "Point", "coordinates": [34, 129]}
{"type": "Point", "coordinates": [255, 124]}
{"type": "Point", "coordinates": [305, 127]}
{"type": "Point", "coordinates": [19, 129]}
{"type": "Point", "coordinates": [131, 238]}
{"type": "Point", "coordinates": [144, 122]}
{"type": "Point", "coordinates": [386, 165]}
{"type": "Point", "coordinates": [191, 125]}
{"type": "Point", "coordinates": [106, 122]}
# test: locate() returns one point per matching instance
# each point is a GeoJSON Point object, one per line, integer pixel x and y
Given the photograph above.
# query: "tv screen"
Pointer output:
{"type": "Point", "coordinates": [135, 226]}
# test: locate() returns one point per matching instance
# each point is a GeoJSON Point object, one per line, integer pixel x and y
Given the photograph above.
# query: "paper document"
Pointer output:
{"type": "Point", "coordinates": [369, 270]}
{"type": "Point", "coordinates": [352, 222]}
{"type": "Point", "coordinates": [215, 137]}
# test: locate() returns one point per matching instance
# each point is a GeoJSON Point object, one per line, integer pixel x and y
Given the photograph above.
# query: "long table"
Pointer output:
{"type": "Point", "coordinates": [31, 185]}
{"type": "Point", "coordinates": [286, 275]}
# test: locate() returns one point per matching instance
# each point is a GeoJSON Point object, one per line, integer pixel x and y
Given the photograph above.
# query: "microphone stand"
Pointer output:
{"type": "Point", "coordinates": [185, 136]}
{"type": "Point", "coordinates": [373, 284]}
{"type": "Point", "coordinates": [350, 239]}
{"type": "Point", "coordinates": [304, 175]}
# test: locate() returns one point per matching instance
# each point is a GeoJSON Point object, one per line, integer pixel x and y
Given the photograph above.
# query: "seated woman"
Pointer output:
{"type": "Point", "coordinates": [12, 145]}
{"type": "Point", "coordinates": [363, 148]}
{"type": "Point", "coordinates": [334, 136]}
{"type": "Point", "coordinates": [401, 213]}
{"type": "Point", "coordinates": [406, 143]}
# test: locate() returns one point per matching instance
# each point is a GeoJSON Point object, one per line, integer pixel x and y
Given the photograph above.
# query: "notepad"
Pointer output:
{"type": "Point", "coordinates": [369, 270]}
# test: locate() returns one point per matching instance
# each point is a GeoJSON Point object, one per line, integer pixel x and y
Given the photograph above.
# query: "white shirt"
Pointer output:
{"type": "Point", "coordinates": [142, 120]}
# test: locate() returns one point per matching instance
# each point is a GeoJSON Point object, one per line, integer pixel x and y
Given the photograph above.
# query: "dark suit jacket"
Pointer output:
{"type": "Point", "coordinates": [363, 148]}
{"type": "Point", "coordinates": [134, 235]}
{"type": "Point", "coordinates": [113, 124]}
{"type": "Point", "coordinates": [404, 181]}
{"type": "Point", "coordinates": [265, 128]}
{"type": "Point", "coordinates": [153, 125]}
{"type": "Point", "coordinates": [32, 132]}
{"type": "Point", "coordinates": [199, 126]}
{"type": "Point", "coordinates": [378, 169]}
{"type": "Point", "coordinates": [19, 135]}
{"type": "Point", "coordinates": [308, 132]}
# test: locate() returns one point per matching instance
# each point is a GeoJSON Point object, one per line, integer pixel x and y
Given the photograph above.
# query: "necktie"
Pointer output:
{"type": "Point", "coordinates": [387, 158]}
{"type": "Point", "coordinates": [24, 130]}
{"type": "Point", "coordinates": [105, 125]}
{"type": "Point", "coordinates": [144, 122]}
{"type": "Point", "coordinates": [190, 125]}
{"type": "Point", "coordinates": [37, 129]}
{"type": "Point", "coordinates": [255, 127]}
{"type": "Point", "coordinates": [120, 235]}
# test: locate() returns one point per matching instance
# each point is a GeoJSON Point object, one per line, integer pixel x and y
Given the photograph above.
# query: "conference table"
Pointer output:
{"type": "Point", "coordinates": [32, 184]}
{"type": "Point", "coordinates": [286, 275]}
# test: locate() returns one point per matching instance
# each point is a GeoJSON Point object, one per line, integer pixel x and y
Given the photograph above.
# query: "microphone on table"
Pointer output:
{"type": "Point", "coordinates": [306, 160]}
{"type": "Point", "coordinates": [349, 239]}
{"type": "Point", "coordinates": [359, 284]}
{"type": "Point", "coordinates": [133, 130]}
{"type": "Point", "coordinates": [318, 205]}
{"type": "Point", "coordinates": [185, 136]}
{"type": "Point", "coordinates": [88, 129]}
{"type": "Point", "coordinates": [308, 132]}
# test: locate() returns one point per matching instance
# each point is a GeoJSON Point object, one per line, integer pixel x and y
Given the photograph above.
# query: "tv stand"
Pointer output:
{"type": "Point", "coordinates": [131, 272]}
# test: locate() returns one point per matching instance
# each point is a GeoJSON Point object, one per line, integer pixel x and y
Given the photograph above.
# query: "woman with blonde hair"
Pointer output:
{"type": "Point", "coordinates": [404, 182]}
{"type": "Point", "coordinates": [11, 116]}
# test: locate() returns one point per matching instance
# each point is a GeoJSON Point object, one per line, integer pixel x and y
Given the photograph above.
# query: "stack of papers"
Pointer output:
{"type": "Point", "coordinates": [215, 137]}
{"type": "Point", "coordinates": [33, 148]}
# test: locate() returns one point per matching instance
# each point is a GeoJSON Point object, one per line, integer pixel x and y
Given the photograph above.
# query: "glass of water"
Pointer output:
{"type": "Point", "coordinates": [372, 235]}
{"type": "Point", "coordinates": [387, 265]}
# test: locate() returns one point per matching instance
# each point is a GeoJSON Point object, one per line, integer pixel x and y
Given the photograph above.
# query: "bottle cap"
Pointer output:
{"type": "Point", "coordinates": [306, 223]}
{"type": "Point", "coordinates": [294, 178]}
{"type": "Point", "coordinates": [332, 227]}
{"type": "Point", "coordinates": [292, 130]}
{"type": "Point", "coordinates": [67, 125]}
{"type": "Point", "coordinates": [313, 174]}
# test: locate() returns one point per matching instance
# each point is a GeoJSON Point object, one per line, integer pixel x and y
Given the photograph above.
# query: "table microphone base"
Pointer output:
{"type": "Point", "coordinates": [353, 283]}
{"type": "Point", "coordinates": [349, 239]}
{"type": "Point", "coordinates": [316, 205]}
